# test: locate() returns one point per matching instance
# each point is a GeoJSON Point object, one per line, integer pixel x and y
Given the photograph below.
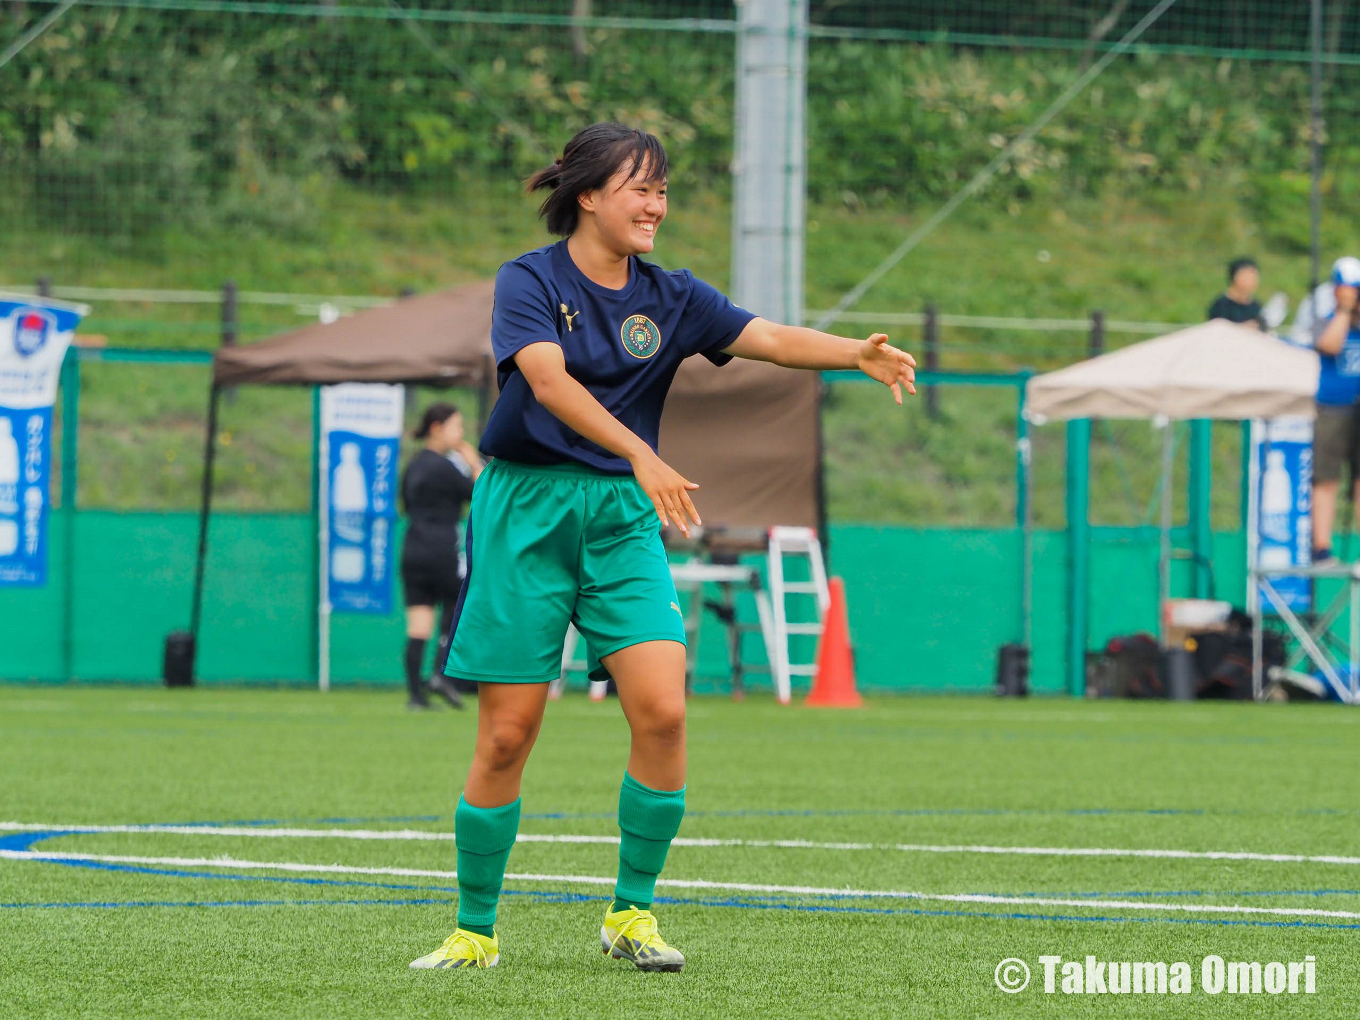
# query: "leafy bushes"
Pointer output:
{"type": "Point", "coordinates": [126, 120]}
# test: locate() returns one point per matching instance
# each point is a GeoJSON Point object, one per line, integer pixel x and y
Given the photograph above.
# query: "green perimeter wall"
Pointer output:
{"type": "Point", "coordinates": [928, 607]}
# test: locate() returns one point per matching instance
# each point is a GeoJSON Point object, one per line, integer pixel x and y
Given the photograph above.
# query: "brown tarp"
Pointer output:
{"type": "Point", "coordinates": [442, 338]}
{"type": "Point", "coordinates": [748, 433]}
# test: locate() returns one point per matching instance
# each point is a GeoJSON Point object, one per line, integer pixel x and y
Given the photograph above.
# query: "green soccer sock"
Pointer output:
{"type": "Point", "coordinates": [648, 821]}
{"type": "Point", "coordinates": [483, 837]}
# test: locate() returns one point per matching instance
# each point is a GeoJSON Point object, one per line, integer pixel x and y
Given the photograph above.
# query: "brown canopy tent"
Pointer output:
{"type": "Point", "coordinates": [441, 339]}
{"type": "Point", "coordinates": [748, 433]}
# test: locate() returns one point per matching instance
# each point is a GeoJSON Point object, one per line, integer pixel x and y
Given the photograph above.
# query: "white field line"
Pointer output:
{"type": "Point", "coordinates": [680, 883]}
{"type": "Point", "coordinates": [421, 835]}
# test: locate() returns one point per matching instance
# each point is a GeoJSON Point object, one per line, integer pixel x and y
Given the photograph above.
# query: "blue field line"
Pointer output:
{"type": "Point", "coordinates": [959, 812]}
{"type": "Point", "coordinates": [842, 813]}
{"type": "Point", "coordinates": [1190, 892]}
{"type": "Point", "coordinates": [118, 905]}
{"type": "Point", "coordinates": [25, 840]}
{"type": "Point", "coordinates": [138, 869]}
{"type": "Point", "coordinates": [389, 818]}
{"type": "Point", "coordinates": [569, 896]}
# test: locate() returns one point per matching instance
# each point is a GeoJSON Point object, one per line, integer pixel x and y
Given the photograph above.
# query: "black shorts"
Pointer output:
{"type": "Point", "coordinates": [427, 585]}
{"type": "Point", "coordinates": [1336, 443]}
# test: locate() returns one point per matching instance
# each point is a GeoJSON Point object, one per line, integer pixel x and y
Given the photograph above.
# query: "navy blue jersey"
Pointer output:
{"type": "Point", "coordinates": [624, 346]}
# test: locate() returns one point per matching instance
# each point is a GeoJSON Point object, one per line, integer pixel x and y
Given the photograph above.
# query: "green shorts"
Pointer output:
{"type": "Point", "coordinates": [552, 545]}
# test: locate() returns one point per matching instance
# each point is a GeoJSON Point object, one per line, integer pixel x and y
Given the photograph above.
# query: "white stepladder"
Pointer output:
{"type": "Point", "coordinates": [790, 541]}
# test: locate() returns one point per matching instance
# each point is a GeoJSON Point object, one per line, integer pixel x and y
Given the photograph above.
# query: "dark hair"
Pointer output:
{"type": "Point", "coordinates": [435, 414]}
{"type": "Point", "coordinates": [1236, 264]}
{"type": "Point", "coordinates": [589, 160]}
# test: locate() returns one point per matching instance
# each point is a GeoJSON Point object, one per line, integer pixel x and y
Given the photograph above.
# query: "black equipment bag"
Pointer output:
{"type": "Point", "coordinates": [178, 665]}
{"type": "Point", "coordinates": [1129, 667]}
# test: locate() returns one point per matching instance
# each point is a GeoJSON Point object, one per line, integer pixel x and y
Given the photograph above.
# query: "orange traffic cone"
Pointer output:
{"type": "Point", "coordinates": [834, 684]}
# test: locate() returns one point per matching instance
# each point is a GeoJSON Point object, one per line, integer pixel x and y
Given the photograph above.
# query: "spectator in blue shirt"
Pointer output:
{"type": "Point", "coordinates": [1335, 440]}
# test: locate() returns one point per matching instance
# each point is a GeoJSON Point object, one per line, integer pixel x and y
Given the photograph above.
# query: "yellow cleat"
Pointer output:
{"type": "Point", "coordinates": [462, 949]}
{"type": "Point", "coordinates": [631, 935]}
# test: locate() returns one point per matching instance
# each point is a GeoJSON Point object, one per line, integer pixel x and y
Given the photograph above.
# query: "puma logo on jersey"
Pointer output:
{"type": "Point", "coordinates": [676, 608]}
{"type": "Point", "coordinates": [568, 316]}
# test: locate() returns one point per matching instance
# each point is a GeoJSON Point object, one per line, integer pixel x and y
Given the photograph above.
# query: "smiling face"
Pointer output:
{"type": "Point", "coordinates": [626, 213]}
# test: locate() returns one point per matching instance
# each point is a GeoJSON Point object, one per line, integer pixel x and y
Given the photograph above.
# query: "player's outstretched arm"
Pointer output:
{"type": "Point", "coordinates": [799, 347]}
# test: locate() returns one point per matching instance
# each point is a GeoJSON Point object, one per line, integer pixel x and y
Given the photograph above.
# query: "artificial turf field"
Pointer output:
{"type": "Point", "coordinates": [178, 933]}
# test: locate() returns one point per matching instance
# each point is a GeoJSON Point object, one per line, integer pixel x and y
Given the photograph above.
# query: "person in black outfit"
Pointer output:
{"type": "Point", "coordinates": [435, 486]}
{"type": "Point", "coordinates": [1238, 303]}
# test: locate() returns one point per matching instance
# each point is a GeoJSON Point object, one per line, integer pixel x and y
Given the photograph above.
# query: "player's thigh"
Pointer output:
{"type": "Point", "coordinates": [627, 595]}
{"type": "Point", "coordinates": [523, 539]}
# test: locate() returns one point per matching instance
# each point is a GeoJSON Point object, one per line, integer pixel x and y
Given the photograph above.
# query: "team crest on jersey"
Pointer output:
{"type": "Point", "coordinates": [640, 336]}
{"type": "Point", "coordinates": [31, 330]}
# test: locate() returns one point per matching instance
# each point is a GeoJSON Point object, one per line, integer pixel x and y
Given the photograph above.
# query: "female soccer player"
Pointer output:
{"type": "Point", "coordinates": [565, 522]}
{"type": "Point", "coordinates": [433, 490]}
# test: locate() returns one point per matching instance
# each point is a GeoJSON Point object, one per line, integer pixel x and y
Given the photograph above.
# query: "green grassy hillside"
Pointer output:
{"type": "Point", "coordinates": [1157, 259]}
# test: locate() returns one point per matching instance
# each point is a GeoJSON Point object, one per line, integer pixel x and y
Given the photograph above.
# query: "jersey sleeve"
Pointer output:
{"type": "Point", "coordinates": [711, 322]}
{"type": "Point", "coordinates": [521, 315]}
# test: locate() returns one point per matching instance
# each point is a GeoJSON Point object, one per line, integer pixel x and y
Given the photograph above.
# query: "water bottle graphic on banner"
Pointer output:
{"type": "Point", "coordinates": [361, 427]}
{"type": "Point", "coordinates": [1277, 499]}
{"type": "Point", "coordinates": [1280, 531]}
{"type": "Point", "coordinates": [349, 494]}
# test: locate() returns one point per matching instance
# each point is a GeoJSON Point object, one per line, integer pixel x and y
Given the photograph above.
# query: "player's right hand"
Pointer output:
{"type": "Point", "coordinates": [668, 490]}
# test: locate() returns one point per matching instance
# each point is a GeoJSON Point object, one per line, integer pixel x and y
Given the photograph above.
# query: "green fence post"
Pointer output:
{"type": "Point", "coordinates": [1078, 551]}
{"type": "Point", "coordinates": [1244, 497]}
{"type": "Point", "coordinates": [1201, 489]}
{"type": "Point", "coordinates": [70, 429]}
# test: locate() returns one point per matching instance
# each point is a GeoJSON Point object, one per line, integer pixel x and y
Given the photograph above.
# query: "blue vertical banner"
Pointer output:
{"type": "Point", "coordinates": [34, 336]}
{"type": "Point", "coordinates": [1280, 527]}
{"type": "Point", "coordinates": [360, 442]}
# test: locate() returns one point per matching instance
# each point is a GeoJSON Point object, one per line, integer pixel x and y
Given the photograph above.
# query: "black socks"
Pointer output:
{"type": "Point", "coordinates": [415, 658]}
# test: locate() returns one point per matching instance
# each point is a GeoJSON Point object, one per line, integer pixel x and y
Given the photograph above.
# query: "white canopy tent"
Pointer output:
{"type": "Point", "coordinates": [1217, 370]}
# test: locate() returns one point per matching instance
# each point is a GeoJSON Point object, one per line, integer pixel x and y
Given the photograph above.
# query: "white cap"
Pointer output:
{"type": "Point", "coordinates": [1346, 271]}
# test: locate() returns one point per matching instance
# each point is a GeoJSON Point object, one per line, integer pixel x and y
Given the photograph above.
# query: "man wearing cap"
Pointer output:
{"type": "Point", "coordinates": [1335, 440]}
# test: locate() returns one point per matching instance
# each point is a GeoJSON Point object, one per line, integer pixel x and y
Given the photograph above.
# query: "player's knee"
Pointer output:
{"type": "Point", "coordinates": [506, 742]}
{"type": "Point", "coordinates": [663, 722]}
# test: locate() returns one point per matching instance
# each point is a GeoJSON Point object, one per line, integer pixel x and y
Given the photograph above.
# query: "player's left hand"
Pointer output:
{"type": "Point", "coordinates": [896, 369]}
